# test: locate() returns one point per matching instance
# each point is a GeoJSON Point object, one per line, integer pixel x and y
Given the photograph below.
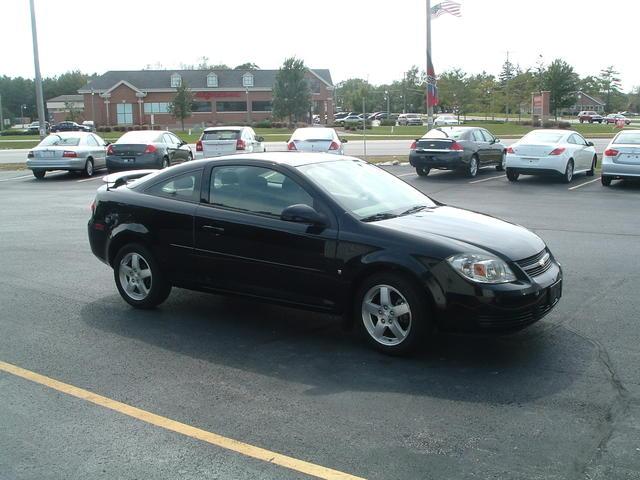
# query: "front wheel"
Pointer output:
{"type": "Point", "coordinates": [503, 163]}
{"type": "Point", "coordinates": [568, 172]}
{"type": "Point", "coordinates": [39, 174]}
{"type": "Point", "coordinates": [423, 171]}
{"type": "Point", "coordinates": [591, 172]}
{"type": "Point", "coordinates": [392, 312]}
{"type": "Point", "coordinates": [472, 169]}
{"type": "Point", "coordinates": [512, 175]}
{"type": "Point", "coordinates": [138, 277]}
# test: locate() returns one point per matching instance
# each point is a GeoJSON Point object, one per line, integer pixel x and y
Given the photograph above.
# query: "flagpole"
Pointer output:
{"type": "Point", "coordinates": [429, 106]}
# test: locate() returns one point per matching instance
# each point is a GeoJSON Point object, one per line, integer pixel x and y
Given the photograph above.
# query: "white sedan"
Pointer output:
{"type": "Point", "coordinates": [442, 120]}
{"type": "Point", "coordinates": [316, 139]}
{"type": "Point", "coordinates": [560, 153]}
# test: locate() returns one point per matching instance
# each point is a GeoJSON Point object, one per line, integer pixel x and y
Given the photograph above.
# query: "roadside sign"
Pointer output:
{"type": "Point", "coordinates": [620, 123]}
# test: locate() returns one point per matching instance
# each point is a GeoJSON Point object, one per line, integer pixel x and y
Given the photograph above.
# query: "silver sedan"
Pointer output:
{"type": "Point", "coordinates": [621, 158]}
{"type": "Point", "coordinates": [71, 151]}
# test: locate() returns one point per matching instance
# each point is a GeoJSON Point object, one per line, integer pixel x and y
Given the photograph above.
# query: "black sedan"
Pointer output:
{"type": "Point", "coordinates": [321, 232]}
{"type": "Point", "coordinates": [457, 148]}
{"type": "Point", "coordinates": [147, 149]}
{"type": "Point", "coordinates": [69, 127]}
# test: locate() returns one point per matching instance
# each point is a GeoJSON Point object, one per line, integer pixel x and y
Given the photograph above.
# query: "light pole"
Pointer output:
{"type": "Point", "coordinates": [1, 115]}
{"type": "Point", "coordinates": [22, 107]}
{"type": "Point", "coordinates": [386, 94]}
{"type": "Point", "coordinates": [93, 117]}
{"type": "Point", "coordinates": [248, 113]}
{"type": "Point", "coordinates": [36, 62]}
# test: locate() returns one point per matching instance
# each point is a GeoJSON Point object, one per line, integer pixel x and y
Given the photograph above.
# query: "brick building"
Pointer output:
{"type": "Point", "coordinates": [142, 97]}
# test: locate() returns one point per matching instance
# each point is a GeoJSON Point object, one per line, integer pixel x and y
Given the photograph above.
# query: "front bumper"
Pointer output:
{"type": "Point", "coordinates": [447, 161]}
{"type": "Point", "coordinates": [61, 164]}
{"type": "Point", "coordinates": [548, 165]}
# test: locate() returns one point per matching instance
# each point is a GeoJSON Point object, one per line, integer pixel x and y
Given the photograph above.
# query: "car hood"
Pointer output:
{"type": "Point", "coordinates": [475, 229]}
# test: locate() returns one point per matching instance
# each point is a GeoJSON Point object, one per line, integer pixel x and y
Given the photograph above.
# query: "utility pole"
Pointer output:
{"type": "Point", "coordinates": [1, 116]}
{"type": "Point", "coordinates": [429, 79]}
{"type": "Point", "coordinates": [36, 61]}
{"type": "Point", "coordinates": [364, 128]}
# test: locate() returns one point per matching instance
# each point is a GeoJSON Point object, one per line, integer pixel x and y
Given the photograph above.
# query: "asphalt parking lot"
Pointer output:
{"type": "Point", "coordinates": [560, 400]}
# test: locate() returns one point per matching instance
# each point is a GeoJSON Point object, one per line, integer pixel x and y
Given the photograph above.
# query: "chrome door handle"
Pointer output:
{"type": "Point", "coordinates": [213, 228]}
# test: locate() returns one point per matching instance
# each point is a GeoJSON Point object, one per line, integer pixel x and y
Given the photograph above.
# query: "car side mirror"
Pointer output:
{"type": "Point", "coordinates": [301, 213]}
{"type": "Point", "coordinates": [260, 139]}
{"type": "Point", "coordinates": [106, 144]}
{"type": "Point", "coordinates": [590, 144]}
{"type": "Point", "coordinates": [344, 140]}
{"type": "Point", "coordinates": [496, 140]}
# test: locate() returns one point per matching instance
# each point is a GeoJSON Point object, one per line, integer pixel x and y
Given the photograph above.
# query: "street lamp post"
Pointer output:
{"type": "Point", "coordinates": [22, 107]}
{"type": "Point", "coordinates": [36, 62]}
{"type": "Point", "coordinates": [386, 94]}
{"type": "Point", "coordinates": [93, 116]}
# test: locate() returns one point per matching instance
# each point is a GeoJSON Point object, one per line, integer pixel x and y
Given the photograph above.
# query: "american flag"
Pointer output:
{"type": "Point", "coordinates": [448, 6]}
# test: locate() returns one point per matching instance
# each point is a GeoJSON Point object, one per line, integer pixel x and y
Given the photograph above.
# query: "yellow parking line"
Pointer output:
{"type": "Point", "coordinates": [585, 183]}
{"type": "Point", "coordinates": [181, 428]}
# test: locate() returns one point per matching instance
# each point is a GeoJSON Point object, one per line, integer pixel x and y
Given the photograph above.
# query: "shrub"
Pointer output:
{"type": "Point", "coordinates": [564, 124]}
{"type": "Point", "coordinates": [106, 129]}
{"type": "Point", "coordinates": [129, 128]}
{"type": "Point", "coordinates": [387, 123]}
{"type": "Point", "coordinates": [548, 124]}
{"type": "Point", "coordinates": [263, 124]}
{"type": "Point", "coordinates": [145, 127]}
{"type": "Point", "coordinates": [15, 132]}
{"type": "Point", "coordinates": [136, 127]}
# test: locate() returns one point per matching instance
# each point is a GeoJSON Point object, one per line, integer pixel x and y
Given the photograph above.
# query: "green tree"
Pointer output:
{"type": "Point", "coordinates": [291, 92]}
{"type": "Point", "coordinates": [610, 85]}
{"type": "Point", "coordinates": [351, 92]}
{"type": "Point", "coordinates": [504, 94]}
{"type": "Point", "coordinates": [521, 88]}
{"type": "Point", "coordinates": [247, 66]}
{"type": "Point", "coordinates": [453, 91]}
{"type": "Point", "coordinates": [72, 111]}
{"type": "Point", "coordinates": [590, 85]}
{"type": "Point", "coordinates": [561, 81]}
{"type": "Point", "coordinates": [180, 108]}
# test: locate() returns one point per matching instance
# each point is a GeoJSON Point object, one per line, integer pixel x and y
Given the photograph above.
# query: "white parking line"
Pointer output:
{"type": "Point", "coordinates": [585, 183]}
{"type": "Point", "coordinates": [435, 172]}
{"type": "Point", "coordinates": [487, 179]}
{"type": "Point", "coordinates": [15, 178]}
{"type": "Point", "coordinates": [90, 179]}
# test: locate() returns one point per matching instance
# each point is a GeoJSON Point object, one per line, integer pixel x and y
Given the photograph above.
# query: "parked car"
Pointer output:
{"type": "Point", "coordinates": [351, 119]}
{"type": "Point", "coordinates": [456, 148]}
{"type": "Point", "coordinates": [341, 115]}
{"type": "Point", "coordinates": [561, 153]}
{"type": "Point", "coordinates": [621, 158]}
{"type": "Point", "coordinates": [34, 127]}
{"type": "Point", "coordinates": [327, 233]}
{"type": "Point", "coordinates": [147, 149]}
{"type": "Point", "coordinates": [316, 139]}
{"type": "Point", "coordinates": [615, 117]}
{"type": "Point", "coordinates": [216, 141]}
{"type": "Point", "coordinates": [409, 119]}
{"type": "Point", "coordinates": [442, 120]}
{"type": "Point", "coordinates": [90, 124]}
{"type": "Point", "coordinates": [71, 151]}
{"type": "Point", "coordinates": [590, 117]}
{"type": "Point", "coordinates": [69, 127]}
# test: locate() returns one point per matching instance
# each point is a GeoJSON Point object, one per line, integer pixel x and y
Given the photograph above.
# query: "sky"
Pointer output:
{"type": "Point", "coordinates": [372, 39]}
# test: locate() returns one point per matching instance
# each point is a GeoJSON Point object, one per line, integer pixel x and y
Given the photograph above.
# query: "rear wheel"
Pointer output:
{"type": "Point", "coordinates": [606, 180]}
{"type": "Point", "coordinates": [592, 171]}
{"type": "Point", "coordinates": [39, 174]}
{"type": "Point", "coordinates": [138, 277]}
{"type": "Point", "coordinates": [392, 312]}
{"type": "Point", "coordinates": [512, 175]}
{"type": "Point", "coordinates": [568, 172]}
{"type": "Point", "coordinates": [165, 163]}
{"type": "Point", "coordinates": [423, 171]}
{"type": "Point", "coordinates": [88, 168]}
{"type": "Point", "coordinates": [503, 163]}
{"type": "Point", "coordinates": [472, 169]}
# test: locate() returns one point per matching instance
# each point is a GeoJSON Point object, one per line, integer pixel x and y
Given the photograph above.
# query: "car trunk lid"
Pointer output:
{"type": "Point", "coordinates": [219, 142]}
{"type": "Point", "coordinates": [627, 154]}
{"type": "Point", "coordinates": [128, 149]}
{"type": "Point", "coordinates": [434, 144]}
{"type": "Point", "coordinates": [534, 150]}
{"type": "Point", "coordinates": [312, 145]}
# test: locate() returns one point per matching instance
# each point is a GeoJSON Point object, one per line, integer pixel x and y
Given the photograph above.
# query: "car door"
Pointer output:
{"type": "Point", "coordinates": [256, 144]}
{"type": "Point", "coordinates": [587, 151]}
{"type": "Point", "coordinates": [182, 149]}
{"type": "Point", "coordinates": [482, 146]}
{"type": "Point", "coordinates": [578, 146]}
{"type": "Point", "coordinates": [244, 246]}
{"type": "Point", "coordinates": [95, 151]}
{"type": "Point", "coordinates": [102, 150]}
{"type": "Point", "coordinates": [171, 146]}
{"type": "Point", "coordinates": [494, 149]}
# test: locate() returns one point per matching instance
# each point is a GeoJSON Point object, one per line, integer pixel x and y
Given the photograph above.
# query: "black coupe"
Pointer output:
{"type": "Point", "coordinates": [328, 233]}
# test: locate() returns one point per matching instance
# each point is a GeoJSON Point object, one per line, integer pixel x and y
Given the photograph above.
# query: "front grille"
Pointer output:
{"type": "Point", "coordinates": [536, 264]}
{"type": "Point", "coordinates": [517, 320]}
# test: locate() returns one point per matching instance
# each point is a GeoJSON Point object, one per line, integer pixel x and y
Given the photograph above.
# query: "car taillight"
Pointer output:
{"type": "Point", "coordinates": [150, 149]}
{"type": "Point", "coordinates": [334, 146]}
{"type": "Point", "coordinates": [510, 150]}
{"type": "Point", "coordinates": [557, 151]}
{"type": "Point", "coordinates": [110, 150]}
{"type": "Point", "coordinates": [457, 147]}
{"type": "Point", "coordinates": [291, 146]}
{"type": "Point", "coordinates": [611, 152]}
{"type": "Point", "coordinates": [30, 155]}
{"type": "Point", "coordinates": [413, 145]}
{"type": "Point", "coordinates": [69, 154]}
{"type": "Point", "coordinates": [198, 146]}
{"type": "Point", "coordinates": [240, 145]}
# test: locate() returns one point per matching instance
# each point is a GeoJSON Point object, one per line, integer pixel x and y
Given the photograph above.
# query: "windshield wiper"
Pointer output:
{"type": "Point", "coordinates": [379, 216]}
{"type": "Point", "coordinates": [415, 209]}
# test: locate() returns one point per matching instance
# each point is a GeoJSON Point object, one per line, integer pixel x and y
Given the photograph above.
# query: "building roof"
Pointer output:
{"type": "Point", "coordinates": [196, 79]}
{"type": "Point", "coordinates": [590, 97]}
{"type": "Point", "coordinates": [67, 98]}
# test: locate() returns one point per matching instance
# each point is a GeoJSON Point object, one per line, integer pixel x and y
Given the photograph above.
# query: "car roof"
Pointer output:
{"type": "Point", "coordinates": [71, 134]}
{"type": "Point", "coordinates": [214, 129]}
{"type": "Point", "coordinates": [291, 159]}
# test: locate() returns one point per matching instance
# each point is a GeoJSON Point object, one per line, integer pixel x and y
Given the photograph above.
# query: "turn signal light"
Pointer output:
{"type": "Point", "coordinates": [150, 149]}
{"type": "Point", "coordinates": [510, 150]}
{"type": "Point", "coordinates": [240, 145]}
{"type": "Point", "coordinates": [413, 146]}
{"type": "Point", "coordinates": [198, 146]}
{"type": "Point", "coordinates": [291, 146]}
{"type": "Point", "coordinates": [611, 152]}
{"type": "Point", "coordinates": [334, 146]}
{"type": "Point", "coordinates": [457, 147]}
{"type": "Point", "coordinates": [69, 154]}
{"type": "Point", "coordinates": [557, 151]}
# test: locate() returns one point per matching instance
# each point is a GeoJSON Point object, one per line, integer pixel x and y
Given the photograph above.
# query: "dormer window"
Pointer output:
{"type": "Point", "coordinates": [212, 80]}
{"type": "Point", "coordinates": [176, 80]}
{"type": "Point", "coordinates": [247, 80]}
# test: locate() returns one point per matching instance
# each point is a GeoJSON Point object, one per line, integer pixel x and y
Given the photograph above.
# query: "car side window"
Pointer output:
{"type": "Point", "coordinates": [477, 136]}
{"type": "Point", "coordinates": [166, 138]}
{"type": "Point", "coordinates": [581, 140]}
{"type": "Point", "coordinates": [575, 140]}
{"type": "Point", "coordinates": [91, 141]}
{"type": "Point", "coordinates": [487, 136]}
{"type": "Point", "coordinates": [175, 139]}
{"type": "Point", "coordinates": [185, 187]}
{"type": "Point", "coordinates": [255, 190]}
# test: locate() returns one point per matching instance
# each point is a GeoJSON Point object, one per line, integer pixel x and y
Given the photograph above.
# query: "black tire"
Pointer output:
{"type": "Point", "coordinates": [503, 161]}
{"type": "Point", "coordinates": [568, 172]}
{"type": "Point", "coordinates": [88, 168]}
{"type": "Point", "coordinates": [423, 171]}
{"type": "Point", "coordinates": [419, 321]}
{"type": "Point", "coordinates": [158, 289]}
{"type": "Point", "coordinates": [606, 180]}
{"type": "Point", "coordinates": [190, 157]}
{"type": "Point", "coordinates": [39, 174]}
{"type": "Point", "coordinates": [471, 170]}
{"type": "Point", "coordinates": [165, 163]}
{"type": "Point", "coordinates": [594, 164]}
{"type": "Point", "coordinates": [512, 175]}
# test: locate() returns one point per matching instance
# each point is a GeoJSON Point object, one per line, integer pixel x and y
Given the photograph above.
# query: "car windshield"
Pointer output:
{"type": "Point", "coordinates": [221, 135]}
{"type": "Point", "coordinates": [628, 137]}
{"type": "Point", "coordinates": [366, 191]}
{"type": "Point", "coordinates": [57, 140]}
{"type": "Point", "coordinates": [313, 134]}
{"type": "Point", "coordinates": [543, 137]}
{"type": "Point", "coordinates": [455, 133]}
{"type": "Point", "coordinates": [139, 137]}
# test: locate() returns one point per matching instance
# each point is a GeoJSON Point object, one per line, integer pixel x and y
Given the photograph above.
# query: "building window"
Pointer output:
{"type": "Point", "coordinates": [155, 107]}
{"type": "Point", "coordinates": [212, 80]}
{"type": "Point", "coordinates": [124, 113]}
{"type": "Point", "coordinates": [247, 80]}
{"type": "Point", "coordinates": [197, 107]}
{"type": "Point", "coordinates": [231, 106]}
{"type": "Point", "coordinates": [176, 80]}
{"type": "Point", "coordinates": [314, 85]}
{"type": "Point", "coordinates": [261, 106]}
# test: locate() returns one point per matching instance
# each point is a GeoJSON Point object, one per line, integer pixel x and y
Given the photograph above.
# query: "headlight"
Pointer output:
{"type": "Point", "coordinates": [481, 268]}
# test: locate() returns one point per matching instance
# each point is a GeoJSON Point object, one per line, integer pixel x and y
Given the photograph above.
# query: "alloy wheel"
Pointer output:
{"type": "Point", "coordinates": [386, 315]}
{"type": "Point", "coordinates": [135, 276]}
